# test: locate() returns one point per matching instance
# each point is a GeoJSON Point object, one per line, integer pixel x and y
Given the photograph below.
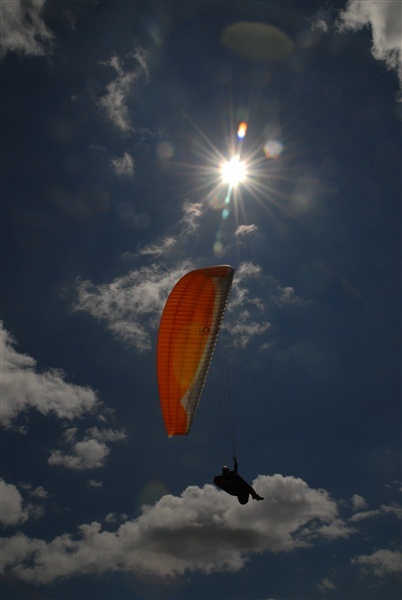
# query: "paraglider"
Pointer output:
{"type": "Point", "coordinates": [187, 336]}
{"type": "Point", "coordinates": [231, 483]}
{"type": "Point", "coordinates": [188, 332]}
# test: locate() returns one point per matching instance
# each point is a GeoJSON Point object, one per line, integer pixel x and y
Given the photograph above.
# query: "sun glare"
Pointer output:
{"type": "Point", "coordinates": [233, 171]}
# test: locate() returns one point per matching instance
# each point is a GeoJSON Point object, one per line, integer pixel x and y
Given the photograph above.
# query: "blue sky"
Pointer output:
{"type": "Point", "coordinates": [116, 117]}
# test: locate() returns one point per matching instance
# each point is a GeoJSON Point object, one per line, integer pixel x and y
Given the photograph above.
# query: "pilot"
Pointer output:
{"type": "Point", "coordinates": [231, 482]}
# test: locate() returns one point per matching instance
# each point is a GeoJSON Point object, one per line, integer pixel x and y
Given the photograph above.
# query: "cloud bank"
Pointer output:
{"type": "Point", "coordinates": [203, 530]}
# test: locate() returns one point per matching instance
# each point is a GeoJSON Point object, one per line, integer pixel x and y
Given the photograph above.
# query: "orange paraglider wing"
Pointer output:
{"type": "Point", "coordinates": [187, 336]}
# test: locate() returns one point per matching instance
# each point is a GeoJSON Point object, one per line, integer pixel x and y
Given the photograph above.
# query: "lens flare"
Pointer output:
{"type": "Point", "coordinates": [242, 130]}
{"type": "Point", "coordinates": [273, 149]}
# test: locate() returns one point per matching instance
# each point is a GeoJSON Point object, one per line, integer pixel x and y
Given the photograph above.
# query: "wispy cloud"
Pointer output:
{"type": "Point", "coordinates": [358, 502]}
{"type": "Point", "coordinates": [385, 19]}
{"type": "Point", "coordinates": [246, 328]}
{"type": "Point", "coordinates": [192, 213]}
{"type": "Point", "coordinates": [158, 249]}
{"type": "Point", "coordinates": [93, 483]}
{"type": "Point", "coordinates": [124, 165]}
{"type": "Point", "coordinates": [37, 492]}
{"type": "Point", "coordinates": [89, 453]}
{"type": "Point", "coordinates": [188, 225]}
{"type": "Point", "coordinates": [326, 585]}
{"type": "Point", "coordinates": [244, 231]}
{"type": "Point", "coordinates": [223, 534]}
{"type": "Point", "coordinates": [384, 510]}
{"type": "Point", "coordinates": [24, 388]}
{"type": "Point", "coordinates": [130, 305]}
{"type": "Point", "coordinates": [254, 297]}
{"type": "Point", "coordinates": [114, 102]}
{"type": "Point", "coordinates": [382, 562]}
{"type": "Point", "coordinates": [22, 28]}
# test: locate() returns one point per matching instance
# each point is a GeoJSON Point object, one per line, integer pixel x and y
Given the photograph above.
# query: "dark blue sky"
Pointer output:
{"type": "Point", "coordinates": [115, 119]}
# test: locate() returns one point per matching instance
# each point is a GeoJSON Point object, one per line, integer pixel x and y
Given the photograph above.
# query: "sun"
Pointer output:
{"type": "Point", "coordinates": [233, 171]}
{"type": "Point", "coordinates": [226, 177]}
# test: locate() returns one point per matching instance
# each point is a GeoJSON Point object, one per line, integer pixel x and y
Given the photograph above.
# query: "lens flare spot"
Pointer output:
{"type": "Point", "coordinates": [218, 247]}
{"type": "Point", "coordinates": [273, 149]}
{"type": "Point", "coordinates": [151, 493]}
{"type": "Point", "coordinates": [165, 150]}
{"type": "Point", "coordinates": [217, 201]}
{"type": "Point", "coordinates": [242, 130]}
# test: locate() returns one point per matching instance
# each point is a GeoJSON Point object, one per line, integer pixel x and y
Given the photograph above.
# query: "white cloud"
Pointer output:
{"type": "Point", "coordinates": [38, 492]}
{"type": "Point", "coordinates": [114, 102]}
{"type": "Point", "coordinates": [286, 295]}
{"type": "Point", "coordinates": [203, 530]}
{"type": "Point", "coordinates": [132, 304]}
{"type": "Point", "coordinates": [394, 510]}
{"type": "Point", "coordinates": [159, 249]}
{"type": "Point", "coordinates": [246, 230]}
{"type": "Point", "coordinates": [192, 213]}
{"type": "Point", "coordinates": [326, 585]}
{"type": "Point", "coordinates": [240, 295]}
{"type": "Point", "coordinates": [22, 28]}
{"type": "Point", "coordinates": [358, 502]}
{"type": "Point", "coordinates": [385, 19]}
{"type": "Point", "coordinates": [89, 453]}
{"type": "Point", "coordinates": [246, 329]}
{"type": "Point", "coordinates": [106, 435]}
{"type": "Point", "coordinates": [320, 24]}
{"type": "Point", "coordinates": [12, 511]}
{"type": "Point", "coordinates": [23, 388]}
{"type": "Point", "coordinates": [124, 165]}
{"type": "Point", "coordinates": [113, 518]}
{"type": "Point", "coordinates": [246, 312]}
{"type": "Point", "coordinates": [382, 562]}
{"type": "Point", "coordinates": [93, 483]}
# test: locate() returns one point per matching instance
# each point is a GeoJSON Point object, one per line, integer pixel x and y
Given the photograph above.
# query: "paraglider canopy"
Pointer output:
{"type": "Point", "coordinates": [187, 336]}
{"type": "Point", "coordinates": [257, 41]}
